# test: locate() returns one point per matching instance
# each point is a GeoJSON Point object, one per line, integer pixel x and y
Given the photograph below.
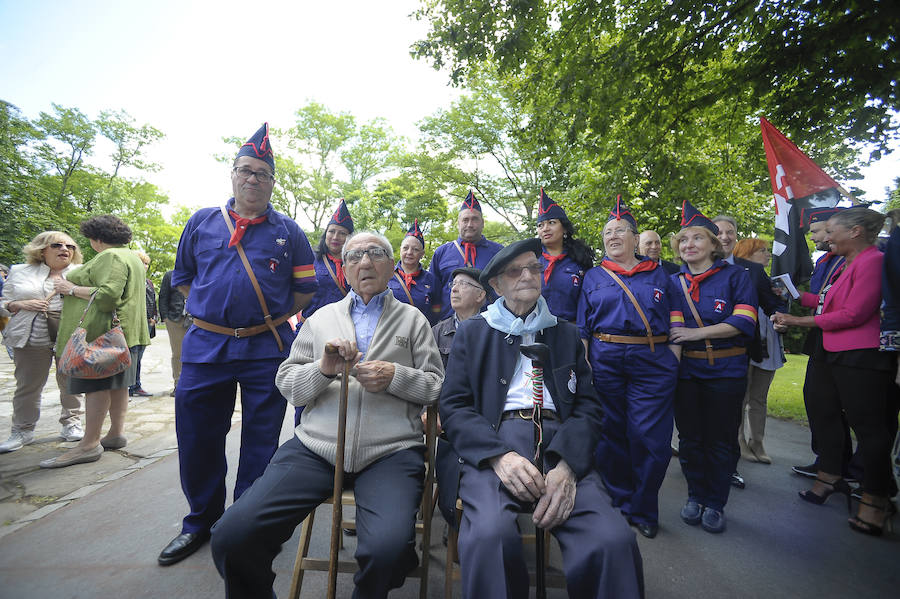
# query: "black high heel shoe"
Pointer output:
{"type": "Point", "coordinates": [874, 530]}
{"type": "Point", "coordinates": [838, 486]}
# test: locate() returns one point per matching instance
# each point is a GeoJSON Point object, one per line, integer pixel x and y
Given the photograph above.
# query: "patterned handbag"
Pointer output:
{"type": "Point", "coordinates": [105, 356]}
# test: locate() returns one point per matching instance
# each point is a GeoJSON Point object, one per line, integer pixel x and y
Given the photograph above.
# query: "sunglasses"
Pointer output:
{"type": "Point", "coordinates": [59, 246]}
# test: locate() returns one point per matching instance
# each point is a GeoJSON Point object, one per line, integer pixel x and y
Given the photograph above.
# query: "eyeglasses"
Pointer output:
{"type": "Point", "coordinates": [245, 173]}
{"type": "Point", "coordinates": [59, 246]}
{"type": "Point", "coordinates": [618, 232]}
{"type": "Point", "coordinates": [514, 272]}
{"type": "Point", "coordinates": [374, 253]}
{"type": "Point", "coordinates": [461, 283]}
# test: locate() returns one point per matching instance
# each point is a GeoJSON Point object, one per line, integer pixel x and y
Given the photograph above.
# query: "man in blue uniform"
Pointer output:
{"type": "Point", "coordinates": [239, 336]}
{"type": "Point", "coordinates": [486, 406]}
{"type": "Point", "coordinates": [411, 284]}
{"type": "Point", "coordinates": [470, 249]}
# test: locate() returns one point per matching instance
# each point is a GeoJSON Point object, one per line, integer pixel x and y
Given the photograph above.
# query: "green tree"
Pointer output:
{"type": "Point", "coordinates": [68, 138]}
{"type": "Point", "coordinates": [129, 140]}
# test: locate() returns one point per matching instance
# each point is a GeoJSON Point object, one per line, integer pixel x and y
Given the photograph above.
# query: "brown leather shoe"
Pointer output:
{"type": "Point", "coordinates": [76, 455]}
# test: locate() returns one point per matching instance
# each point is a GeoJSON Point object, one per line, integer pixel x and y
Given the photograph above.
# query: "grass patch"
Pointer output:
{"type": "Point", "coordinates": [786, 392]}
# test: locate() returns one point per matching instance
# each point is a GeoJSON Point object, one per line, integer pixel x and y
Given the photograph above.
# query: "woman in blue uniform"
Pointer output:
{"type": "Point", "coordinates": [719, 311]}
{"type": "Point", "coordinates": [410, 283]}
{"type": "Point", "coordinates": [624, 317]}
{"type": "Point", "coordinates": [329, 265]}
{"type": "Point", "coordinates": [565, 259]}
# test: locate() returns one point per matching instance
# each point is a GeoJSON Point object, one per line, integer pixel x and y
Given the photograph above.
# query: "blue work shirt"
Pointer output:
{"type": "Point", "coordinates": [365, 318]}
{"type": "Point", "coordinates": [328, 291]}
{"type": "Point", "coordinates": [563, 288]}
{"type": "Point", "coordinates": [221, 291]}
{"type": "Point", "coordinates": [727, 296]}
{"type": "Point", "coordinates": [449, 256]}
{"type": "Point", "coordinates": [425, 292]}
{"type": "Point", "coordinates": [826, 265]}
{"type": "Point", "coordinates": [604, 308]}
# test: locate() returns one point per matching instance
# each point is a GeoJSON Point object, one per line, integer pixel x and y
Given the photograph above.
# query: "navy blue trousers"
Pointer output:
{"type": "Point", "coordinates": [708, 414]}
{"type": "Point", "coordinates": [637, 390]}
{"type": "Point", "coordinates": [247, 538]}
{"type": "Point", "coordinates": [600, 554]}
{"type": "Point", "coordinates": [204, 404]}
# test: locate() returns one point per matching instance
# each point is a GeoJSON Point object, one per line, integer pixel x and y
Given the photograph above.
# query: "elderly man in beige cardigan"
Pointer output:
{"type": "Point", "coordinates": [396, 371]}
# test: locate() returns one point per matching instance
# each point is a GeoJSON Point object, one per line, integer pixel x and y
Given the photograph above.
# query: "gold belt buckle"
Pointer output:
{"type": "Point", "coordinates": [524, 414]}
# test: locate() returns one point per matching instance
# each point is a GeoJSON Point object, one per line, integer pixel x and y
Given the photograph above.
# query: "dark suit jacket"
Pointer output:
{"type": "Point", "coordinates": [768, 301]}
{"type": "Point", "coordinates": [670, 267]}
{"type": "Point", "coordinates": [480, 369]}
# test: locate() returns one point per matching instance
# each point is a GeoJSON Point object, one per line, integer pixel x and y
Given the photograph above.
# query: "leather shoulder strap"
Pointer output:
{"type": "Point", "coordinates": [634, 302]}
{"type": "Point", "coordinates": [690, 303]}
{"type": "Point", "coordinates": [334, 278]}
{"type": "Point", "coordinates": [461, 253]}
{"type": "Point", "coordinates": [259, 294]}
{"type": "Point", "coordinates": [404, 287]}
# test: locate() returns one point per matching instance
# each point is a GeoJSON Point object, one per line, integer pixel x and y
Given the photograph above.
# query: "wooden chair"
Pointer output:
{"type": "Point", "coordinates": [555, 579]}
{"type": "Point", "coordinates": [423, 525]}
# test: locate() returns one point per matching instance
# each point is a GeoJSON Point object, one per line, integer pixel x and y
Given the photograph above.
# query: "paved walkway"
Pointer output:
{"type": "Point", "coordinates": [94, 530]}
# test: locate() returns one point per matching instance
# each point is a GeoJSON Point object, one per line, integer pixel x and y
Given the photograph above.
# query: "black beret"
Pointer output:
{"type": "Point", "coordinates": [475, 273]}
{"type": "Point", "coordinates": [507, 255]}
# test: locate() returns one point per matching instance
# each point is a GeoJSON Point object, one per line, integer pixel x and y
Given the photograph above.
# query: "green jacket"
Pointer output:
{"type": "Point", "coordinates": [118, 277]}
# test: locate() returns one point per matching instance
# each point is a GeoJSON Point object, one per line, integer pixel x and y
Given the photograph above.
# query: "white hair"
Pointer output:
{"type": "Point", "coordinates": [382, 241]}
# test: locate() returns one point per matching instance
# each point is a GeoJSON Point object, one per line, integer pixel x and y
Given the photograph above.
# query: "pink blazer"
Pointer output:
{"type": "Point", "coordinates": [851, 317]}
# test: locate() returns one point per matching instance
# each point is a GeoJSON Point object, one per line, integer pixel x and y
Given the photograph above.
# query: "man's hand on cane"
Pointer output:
{"type": "Point", "coordinates": [332, 364]}
{"type": "Point", "coordinates": [556, 504]}
{"type": "Point", "coordinates": [519, 476]}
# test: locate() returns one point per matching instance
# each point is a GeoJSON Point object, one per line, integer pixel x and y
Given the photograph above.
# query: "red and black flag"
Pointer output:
{"type": "Point", "coordinates": [798, 183]}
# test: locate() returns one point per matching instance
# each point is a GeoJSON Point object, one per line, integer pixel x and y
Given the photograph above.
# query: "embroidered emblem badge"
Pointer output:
{"type": "Point", "coordinates": [657, 294]}
{"type": "Point", "coordinates": [401, 341]}
{"type": "Point", "coordinates": [719, 305]}
{"type": "Point", "coordinates": [281, 241]}
{"type": "Point", "coordinates": [273, 264]}
{"type": "Point", "coordinates": [573, 382]}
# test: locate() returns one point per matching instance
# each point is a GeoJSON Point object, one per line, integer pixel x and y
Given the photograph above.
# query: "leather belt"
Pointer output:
{"type": "Point", "coordinates": [241, 332]}
{"type": "Point", "coordinates": [525, 414]}
{"type": "Point", "coordinates": [716, 353]}
{"type": "Point", "coordinates": [629, 339]}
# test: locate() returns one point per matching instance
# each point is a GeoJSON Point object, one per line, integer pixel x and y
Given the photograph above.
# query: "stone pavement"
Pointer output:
{"type": "Point", "coordinates": [28, 492]}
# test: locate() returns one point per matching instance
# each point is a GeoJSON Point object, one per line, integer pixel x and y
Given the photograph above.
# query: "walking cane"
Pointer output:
{"type": "Point", "coordinates": [337, 507]}
{"type": "Point", "coordinates": [539, 354]}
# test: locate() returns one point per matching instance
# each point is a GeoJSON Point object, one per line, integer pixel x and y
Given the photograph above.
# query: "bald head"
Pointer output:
{"type": "Point", "coordinates": [650, 245]}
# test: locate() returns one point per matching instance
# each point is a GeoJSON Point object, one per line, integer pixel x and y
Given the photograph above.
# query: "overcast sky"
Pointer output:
{"type": "Point", "coordinates": [200, 71]}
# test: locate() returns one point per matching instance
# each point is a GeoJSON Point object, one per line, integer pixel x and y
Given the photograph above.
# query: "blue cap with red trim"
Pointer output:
{"type": "Point", "coordinates": [621, 212]}
{"type": "Point", "coordinates": [341, 217]}
{"type": "Point", "coordinates": [691, 217]}
{"type": "Point", "coordinates": [809, 216]}
{"type": "Point", "coordinates": [259, 147]}
{"type": "Point", "coordinates": [471, 203]}
{"type": "Point", "coordinates": [415, 231]}
{"type": "Point", "coordinates": [548, 209]}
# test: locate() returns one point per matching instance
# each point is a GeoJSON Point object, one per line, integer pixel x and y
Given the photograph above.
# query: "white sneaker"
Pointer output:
{"type": "Point", "coordinates": [17, 440]}
{"type": "Point", "coordinates": [72, 432]}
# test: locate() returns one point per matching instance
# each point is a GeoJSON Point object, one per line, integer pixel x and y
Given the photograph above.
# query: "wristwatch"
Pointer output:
{"type": "Point", "coordinates": [72, 290]}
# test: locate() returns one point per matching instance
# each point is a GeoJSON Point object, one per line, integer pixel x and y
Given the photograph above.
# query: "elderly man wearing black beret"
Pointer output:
{"type": "Point", "coordinates": [485, 408]}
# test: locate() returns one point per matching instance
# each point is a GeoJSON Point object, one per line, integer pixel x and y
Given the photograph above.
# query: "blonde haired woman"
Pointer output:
{"type": "Point", "coordinates": [34, 308]}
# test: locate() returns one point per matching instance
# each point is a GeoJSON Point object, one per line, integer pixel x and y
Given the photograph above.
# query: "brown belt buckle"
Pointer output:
{"type": "Point", "coordinates": [237, 332]}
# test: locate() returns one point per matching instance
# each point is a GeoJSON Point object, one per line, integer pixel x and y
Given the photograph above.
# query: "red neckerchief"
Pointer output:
{"type": "Point", "coordinates": [408, 277]}
{"type": "Point", "coordinates": [643, 266]}
{"type": "Point", "coordinates": [695, 281]}
{"type": "Point", "coordinates": [551, 262]}
{"type": "Point", "coordinates": [338, 270]}
{"type": "Point", "coordinates": [469, 249]}
{"type": "Point", "coordinates": [240, 226]}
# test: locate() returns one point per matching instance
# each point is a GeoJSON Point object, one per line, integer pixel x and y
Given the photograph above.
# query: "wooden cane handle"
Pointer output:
{"type": "Point", "coordinates": [331, 349]}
